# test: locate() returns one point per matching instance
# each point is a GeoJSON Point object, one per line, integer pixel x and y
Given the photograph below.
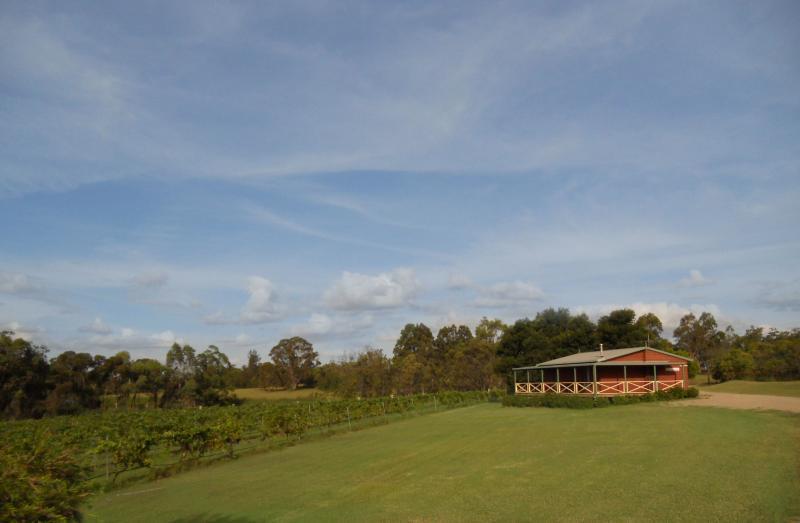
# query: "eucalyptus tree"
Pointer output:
{"type": "Point", "coordinates": [295, 360]}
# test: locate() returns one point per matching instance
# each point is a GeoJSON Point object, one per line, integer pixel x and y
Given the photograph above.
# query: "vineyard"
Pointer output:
{"type": "Point", "coordinates": [105, 449]}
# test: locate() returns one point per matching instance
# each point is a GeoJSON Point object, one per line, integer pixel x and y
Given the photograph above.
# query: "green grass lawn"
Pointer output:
{"type": "Point", "coordinates": [773, 388]}
{"type": "Point", "coordinates": [489, 463]}
{"type": "Point", "coordinates": [261, 394]}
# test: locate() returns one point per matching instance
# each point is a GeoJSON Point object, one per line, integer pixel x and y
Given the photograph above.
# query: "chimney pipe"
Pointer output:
{"type": "Point", "coordinates": [601, 348]}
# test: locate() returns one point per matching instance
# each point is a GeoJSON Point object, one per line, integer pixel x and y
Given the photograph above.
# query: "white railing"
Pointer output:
{"type": "Point", "coordinates": [603, 387]}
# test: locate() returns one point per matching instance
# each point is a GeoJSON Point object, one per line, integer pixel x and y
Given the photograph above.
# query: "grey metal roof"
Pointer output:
{"type": "Point", "coordinates": [593, 357]}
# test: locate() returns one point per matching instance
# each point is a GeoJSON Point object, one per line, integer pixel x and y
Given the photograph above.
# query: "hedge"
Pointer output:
{"type": "Point", "coordinates": [568, 401]}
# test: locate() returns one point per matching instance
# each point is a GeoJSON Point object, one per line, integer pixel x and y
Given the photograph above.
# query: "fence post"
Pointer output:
{"type": "Point", "coordinates": [106, 459]}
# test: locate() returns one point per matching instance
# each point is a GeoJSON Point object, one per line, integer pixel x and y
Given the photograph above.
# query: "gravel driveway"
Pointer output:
{"type": "Point", "coordinates": [742, 401]}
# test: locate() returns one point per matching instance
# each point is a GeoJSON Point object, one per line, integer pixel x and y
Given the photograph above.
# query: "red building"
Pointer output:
{"type": "Point", "coordinates": [637, 370]}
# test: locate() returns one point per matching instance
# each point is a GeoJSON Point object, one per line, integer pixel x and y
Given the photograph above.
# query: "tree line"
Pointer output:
{"type": "Point", "coordinates": [456, 358]}
{"type": "Point", "coordinates": [33, 385]}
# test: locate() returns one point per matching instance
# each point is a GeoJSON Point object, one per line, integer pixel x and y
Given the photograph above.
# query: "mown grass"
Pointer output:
{"type": "Point", "coordinates": [772, 388]}
{"type": "Point", "coordinates": [488, 463]}
{"type": "Point", "coordinates": [257, 394]}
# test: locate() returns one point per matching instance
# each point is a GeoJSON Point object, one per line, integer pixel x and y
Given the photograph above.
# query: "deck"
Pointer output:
{"type": "Point", "coordinates": [599, 388]}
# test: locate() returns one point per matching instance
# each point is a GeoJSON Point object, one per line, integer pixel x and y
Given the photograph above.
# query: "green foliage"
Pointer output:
{"type": "Point", "coordinates": [53, 454]}
{"type": "Point", "coordinates": [127, 450]}
{"type": "Point", "coordinates": [700, 338]}
{"type": "Point", "coordinates": [571, 401]}
{"type": "Point", "coordinates": [295, 361]}
{"type": "Point", "coordinates": [40, 481]}
{"type": "Point", "coordinates": [23, 377]}
{"type": "Point", "coordinates": [552, 334]}
{"type": "Point", "coordinates": [735, 365]}
{"type": "Point", "coordinates": [618, 329]}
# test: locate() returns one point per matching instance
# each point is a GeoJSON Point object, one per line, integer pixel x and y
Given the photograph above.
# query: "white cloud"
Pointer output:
{"type": "Point", "coordinates": [97, 327]}
{"type": "Point", "coordinates": [165, 338]}
{"type": "Point", "coordinates": [127, 332]}
{"type": "Point", "coordinates": [26, 332]}
{"type": "Point", "coordinates": [354, 291]}
{"type": "Point", "coordinates": [321, 327]}
{"type": "Point", "coordinates": [695, 279]}
{"type": "Point", "coordinates": [261, 306]}
{"type": "Point", "coordinates": [505, 294]}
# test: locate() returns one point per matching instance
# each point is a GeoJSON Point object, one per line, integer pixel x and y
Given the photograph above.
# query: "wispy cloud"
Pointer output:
{"type": "Point", "coordinates": [695, 279]}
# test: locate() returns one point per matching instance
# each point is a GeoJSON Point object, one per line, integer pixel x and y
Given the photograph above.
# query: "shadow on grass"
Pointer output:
{"type": "Point", "coordinates": [207, 517]}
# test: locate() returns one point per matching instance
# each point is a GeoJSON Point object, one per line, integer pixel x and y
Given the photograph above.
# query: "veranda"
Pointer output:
{"type": "Point", "coordinates": [636, 370]}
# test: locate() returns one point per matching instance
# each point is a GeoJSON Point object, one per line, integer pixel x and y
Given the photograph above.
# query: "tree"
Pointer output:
{"type": "Point", "coordinates": [113, 374]}
{"type": "Point", "coordinates": [652, 327]}
{"type": "Point", "coordinates": [295, 360]}
{"type": "Point", "coordinates": [179, 381]}
{"type": "Point", "coordinates": [618, 329]}
{"type": "Point", "coordinates": [472, 365]}
{"type": "Point", "coordinates": [71, 389]}
{"type": "Point", "coordinates": [211, 377]}
{"type": "Point", "coordinates": [409, 374]}
{"type": "Point", "coordinates": [150, 377]}
{"type": "Point", "coordinates": [414, 339]}
{"type": "Point", "coordinates": [735, 365]}
{"type": "Point", "coordinates": [371, 371]}
{"type": "Point", "coordinates": [251, 370]}
{"type": "Point", "coordinates": [700, 338]}
{"type": "Point", "coordinates": [23, 377]}
{"type": "Point", "coordinates": [552, 334]}
{"type": "Point", "coordinates": [439, 363]}
{"type": "Point", "coordinates": [490, 330]}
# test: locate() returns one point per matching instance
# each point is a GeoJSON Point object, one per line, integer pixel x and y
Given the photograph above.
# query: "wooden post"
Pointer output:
{"type": "Point", "coordinates": [655, 379]}
{"type": "Point", "coordinates": [625, 378]}
{"type": "Point", "coordinates": [541, 376]}
{"type": "Point", "coordinates": [528, 372]}
{"type": "Point", "coordinates": [574, 380]}
{"type": "Point", "coordinates": [515, 382]}
{"type": "Point", "coordinates": [594, 377]}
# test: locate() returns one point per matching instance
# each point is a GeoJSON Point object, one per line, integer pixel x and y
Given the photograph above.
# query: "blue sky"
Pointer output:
{"type": "Point", "coordinates": [238, 173]}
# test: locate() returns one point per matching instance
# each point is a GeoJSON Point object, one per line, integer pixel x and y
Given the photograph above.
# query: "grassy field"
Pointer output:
{"type": "Point", "coordinates": [773, 388]}
{"type": "Point", "coordinates": [261, 394]}
{"type": "Point", "coordinates": [488, 463]}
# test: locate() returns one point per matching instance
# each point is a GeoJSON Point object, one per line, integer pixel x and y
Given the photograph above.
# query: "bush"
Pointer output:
{"type": "Point", "coordinates": [40, 481]}
{"type": "Point", "coordinates": [570, 401]}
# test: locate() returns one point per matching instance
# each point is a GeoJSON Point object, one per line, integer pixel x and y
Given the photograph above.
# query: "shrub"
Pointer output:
{"type": "Point", "coordinates": [40, 481]}
{"type": "Point", "coordinates": [586, 402]}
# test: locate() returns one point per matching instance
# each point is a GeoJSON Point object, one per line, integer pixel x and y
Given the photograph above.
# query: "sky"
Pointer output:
{"type": "Point", "coordinates": [238, 173]}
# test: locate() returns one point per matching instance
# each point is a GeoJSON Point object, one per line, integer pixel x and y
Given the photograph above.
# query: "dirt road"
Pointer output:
{"type": "Point", "coordinates": [742, 401]}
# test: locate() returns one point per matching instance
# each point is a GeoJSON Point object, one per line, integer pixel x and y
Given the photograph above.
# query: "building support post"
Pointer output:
{"type": "Point", "coordinates": [594, 378]}
{"type": "Point", "coordinates": [558, 380]}
{"type": "Point", "coordinates": [655, 379]}
{"type": "Point", "coordinates": [575, 380]}
{"type": "Point", "coordinates": [625, 378]}
{"type": "Point", "coordinates": [515, 382]}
